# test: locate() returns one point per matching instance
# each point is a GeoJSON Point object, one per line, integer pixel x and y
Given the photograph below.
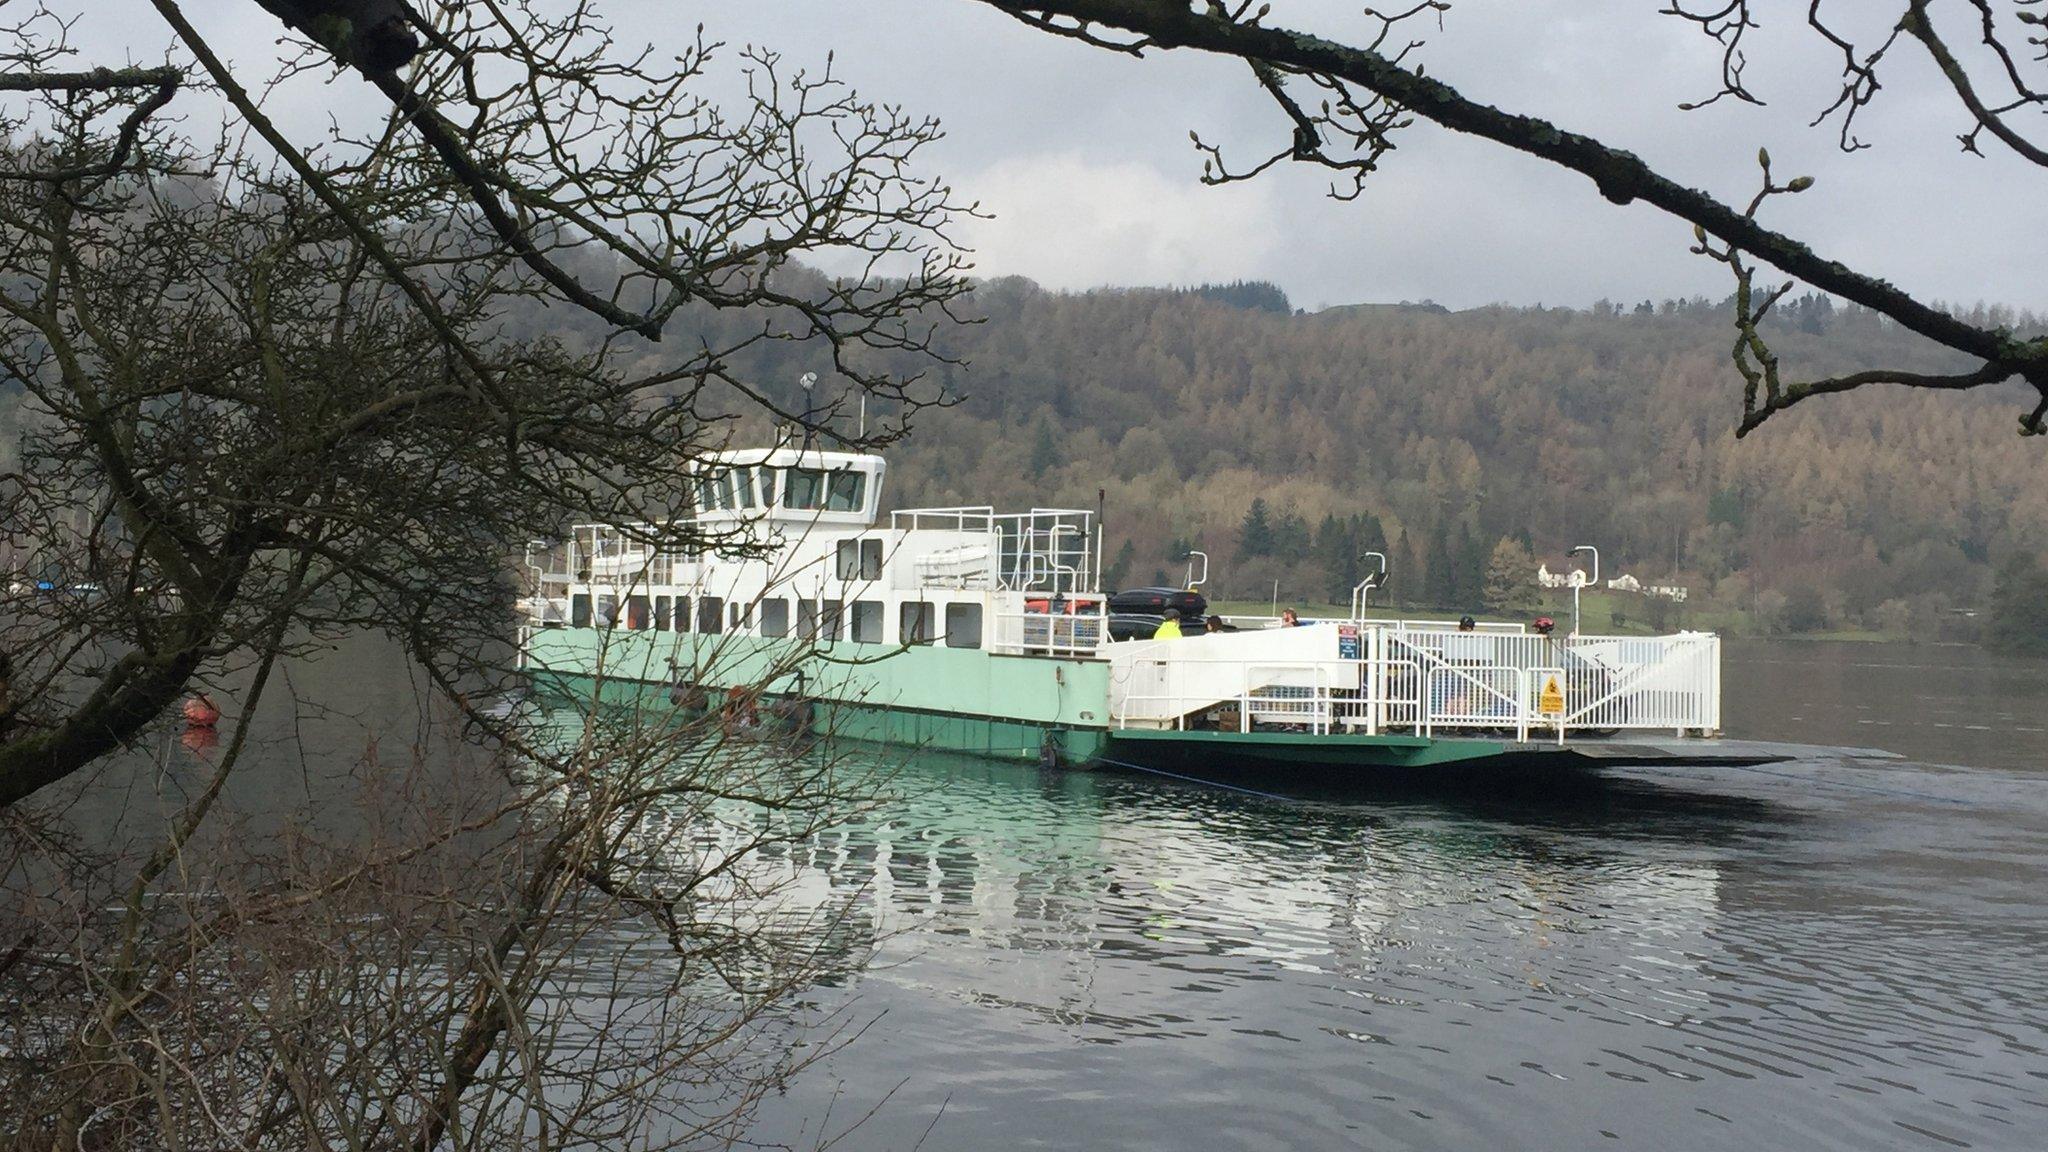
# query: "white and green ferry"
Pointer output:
{"type": "Point", "coordinates": [974, 630]}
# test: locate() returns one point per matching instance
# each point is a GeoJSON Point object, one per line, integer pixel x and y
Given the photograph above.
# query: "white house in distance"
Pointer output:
{"type": "Point", "coordinates": [1623, 583]}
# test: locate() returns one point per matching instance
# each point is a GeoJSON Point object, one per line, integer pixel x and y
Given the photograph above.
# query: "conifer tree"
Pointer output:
{"type": "Point", "coordinates": [1255, 534]}
{"type": "Point", "coordinates": [1441, 579]}
{"type": "Point", "coordinates": [1335, 551]}
{"type": "Point", "coordinates": [2018, 620]}
{"type": "Point", "coordinates": [1291, 539]}
{"type": "Point", "coordinates": [1406, 579]}
{"type": "Point", "coordinates": [1045, 450]}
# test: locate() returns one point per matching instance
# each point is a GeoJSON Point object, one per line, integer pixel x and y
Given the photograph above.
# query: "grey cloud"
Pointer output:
{"type": "Point", "coordinates": [1032, 118]}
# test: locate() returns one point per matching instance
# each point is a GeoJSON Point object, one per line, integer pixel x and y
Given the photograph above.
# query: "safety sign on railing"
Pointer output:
{"type": "Point", "coordinates": [1347, 641]}
{"type": "Point", "coordinates": [1550, 701]}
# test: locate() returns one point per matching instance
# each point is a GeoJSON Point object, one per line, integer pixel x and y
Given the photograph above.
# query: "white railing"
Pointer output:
{"type": "Point", "coordinates": [1423, 681]}
{"type": "Point", "coordinates": [1049, 633]}
{"type": "Point", "coordinates": [1318, 697]}
{"type": "Point", "coordinates": [1053, 550]}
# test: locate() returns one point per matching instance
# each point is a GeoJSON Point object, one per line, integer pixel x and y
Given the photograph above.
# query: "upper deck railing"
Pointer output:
{"type": "Point", "coordinates": [1055, 551]}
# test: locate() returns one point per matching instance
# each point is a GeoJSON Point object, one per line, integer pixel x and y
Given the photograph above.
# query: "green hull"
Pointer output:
{"type": "Point", "coordinates": [922, 697]}
{"type": "Point", "coordinates": [957, 700]}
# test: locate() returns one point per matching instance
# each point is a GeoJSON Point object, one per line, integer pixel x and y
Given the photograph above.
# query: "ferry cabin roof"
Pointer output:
{"type": "Point", "coordinates": [964, 577]}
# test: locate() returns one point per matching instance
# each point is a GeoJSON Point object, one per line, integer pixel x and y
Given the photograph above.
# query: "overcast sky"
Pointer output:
{"type": "Point", "coordinates": [1083, 158]}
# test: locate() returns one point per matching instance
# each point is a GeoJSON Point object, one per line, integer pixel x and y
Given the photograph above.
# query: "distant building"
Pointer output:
{"type": "Point", "coordinates": [1623, 583]}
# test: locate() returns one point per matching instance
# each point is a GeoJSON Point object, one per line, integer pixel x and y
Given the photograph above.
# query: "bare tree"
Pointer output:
{"type": "Point", "coordinates": [251, 357]}
{"type": "Point", "coordinates": [1345, 103]}
{"type": "Point", "coordinates": [280, 392]}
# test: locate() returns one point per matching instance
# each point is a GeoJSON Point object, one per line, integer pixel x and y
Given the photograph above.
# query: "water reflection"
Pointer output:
{"type": "Point", "coordinates": [1102, 960]}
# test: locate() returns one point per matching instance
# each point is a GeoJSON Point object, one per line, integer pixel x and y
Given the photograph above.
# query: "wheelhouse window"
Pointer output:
{"type": "Point", "coordinates": [770, 477]}
{"type": "Point", "coordinates": [843, 492]}
{"type": "Point", "coordinates": [743, 486]}
{"type": "Point", "coordinates": [914, 622]}
{"type": "Point", "coordinates": [805, 490]}
{"type": "Point", "coordinates": [963, 625]}
{"type": "Point", "coordinates": [867, 621]}
{"type": "Point", "coordinates": [710, 615]}
{"type": "Point", "coordinates": [775, 617]}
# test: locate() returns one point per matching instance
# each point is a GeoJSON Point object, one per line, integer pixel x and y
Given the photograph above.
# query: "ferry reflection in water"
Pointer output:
{"type": "Point", "coordinates": [1085, 960]}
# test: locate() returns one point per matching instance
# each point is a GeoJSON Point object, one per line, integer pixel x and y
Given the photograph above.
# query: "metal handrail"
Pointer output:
{"type": "Point", "coordinates": [1604, 683]}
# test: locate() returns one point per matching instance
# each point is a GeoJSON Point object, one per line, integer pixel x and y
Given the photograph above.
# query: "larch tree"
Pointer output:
{"type": "Point", "coordinates": [1510, 572]}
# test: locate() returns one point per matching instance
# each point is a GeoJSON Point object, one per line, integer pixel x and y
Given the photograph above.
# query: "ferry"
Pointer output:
{"type": "Point", "coordinates": [969, 629]}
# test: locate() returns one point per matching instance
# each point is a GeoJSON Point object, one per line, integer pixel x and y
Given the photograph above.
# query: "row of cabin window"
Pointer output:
{"type": "Point", "coordinates": [799, 489]}
{"type": "Point", "coordinates": [860, 622]}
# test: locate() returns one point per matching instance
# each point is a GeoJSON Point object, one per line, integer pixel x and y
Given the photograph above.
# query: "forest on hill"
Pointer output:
{"type": "Point", "coordinates": [1463, 444]}
{"type": "Point", "coordinates": [1286, 444]}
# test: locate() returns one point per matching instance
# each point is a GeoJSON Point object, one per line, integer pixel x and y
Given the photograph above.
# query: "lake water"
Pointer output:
{"type": "Point", "coordinates": [1836, 953]}
{"type": "Point", "coordinates": [1840, 953]}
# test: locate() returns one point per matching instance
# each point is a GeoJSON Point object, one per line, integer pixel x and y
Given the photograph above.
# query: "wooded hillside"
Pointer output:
{"type": "Point", "coordinates": [1451, 433]}
{"type": "Point", "coordinates": [1455, 436]}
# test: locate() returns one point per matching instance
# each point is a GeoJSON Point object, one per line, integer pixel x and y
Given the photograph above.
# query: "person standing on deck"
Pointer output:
{"type": "Point", "coordinates": [1169, 628]}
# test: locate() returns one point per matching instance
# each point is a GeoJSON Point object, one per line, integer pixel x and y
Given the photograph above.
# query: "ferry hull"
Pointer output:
{"type": "Point", "coordinates": [1042, 709]}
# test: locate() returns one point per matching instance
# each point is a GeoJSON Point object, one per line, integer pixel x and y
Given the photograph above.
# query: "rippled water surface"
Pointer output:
{"type": "Point", "coordinates": [1835, 953]}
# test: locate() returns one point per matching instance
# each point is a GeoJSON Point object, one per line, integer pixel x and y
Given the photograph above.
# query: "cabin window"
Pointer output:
{"type": "Point", "coordinates": [867, 621]}
{"type": "Point", "coordinates": [806, 489]}
{"type": "Point", "coordinates": [579, 610]}
{"type": "Point", "coordinates": [743, 486]}
{"type": "Point", "coordinates": [607, 611]}
{"type": "Point", "coordinates": [963, 625]}
{"type": "Point", "coordinates": [775, 617]}
{"type": "Point", "coordinates": [871, 559]}
{"type": "Point", "coordinates": [844, 491]}
{"type": "Point", "coordinates": [682, 613]}
{"type": "Point", "coordinates": [848, 567]}
{"type": "Point", "coordinates": [828, 619]}
{"type": "Point", "coordinates": [807, 619]}
{"type": "Point", "coordinates": [914, 622]}
{"type": "Point", "coordinates": [710, 615]}
{"type": "Point", "coordinates": [740, 616]}
{"type": "Point", "coordinates": [663, 614]}
{"type": "Point", "coordinates": [636, 612]}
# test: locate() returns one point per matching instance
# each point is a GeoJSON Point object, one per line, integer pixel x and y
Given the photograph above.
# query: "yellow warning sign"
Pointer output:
{"type": "Point", "coordinates": [1550, 701]}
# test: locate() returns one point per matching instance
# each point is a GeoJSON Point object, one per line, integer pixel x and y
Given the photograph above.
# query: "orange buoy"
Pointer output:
{"type": "Point", "coordinates": [200, 711]}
